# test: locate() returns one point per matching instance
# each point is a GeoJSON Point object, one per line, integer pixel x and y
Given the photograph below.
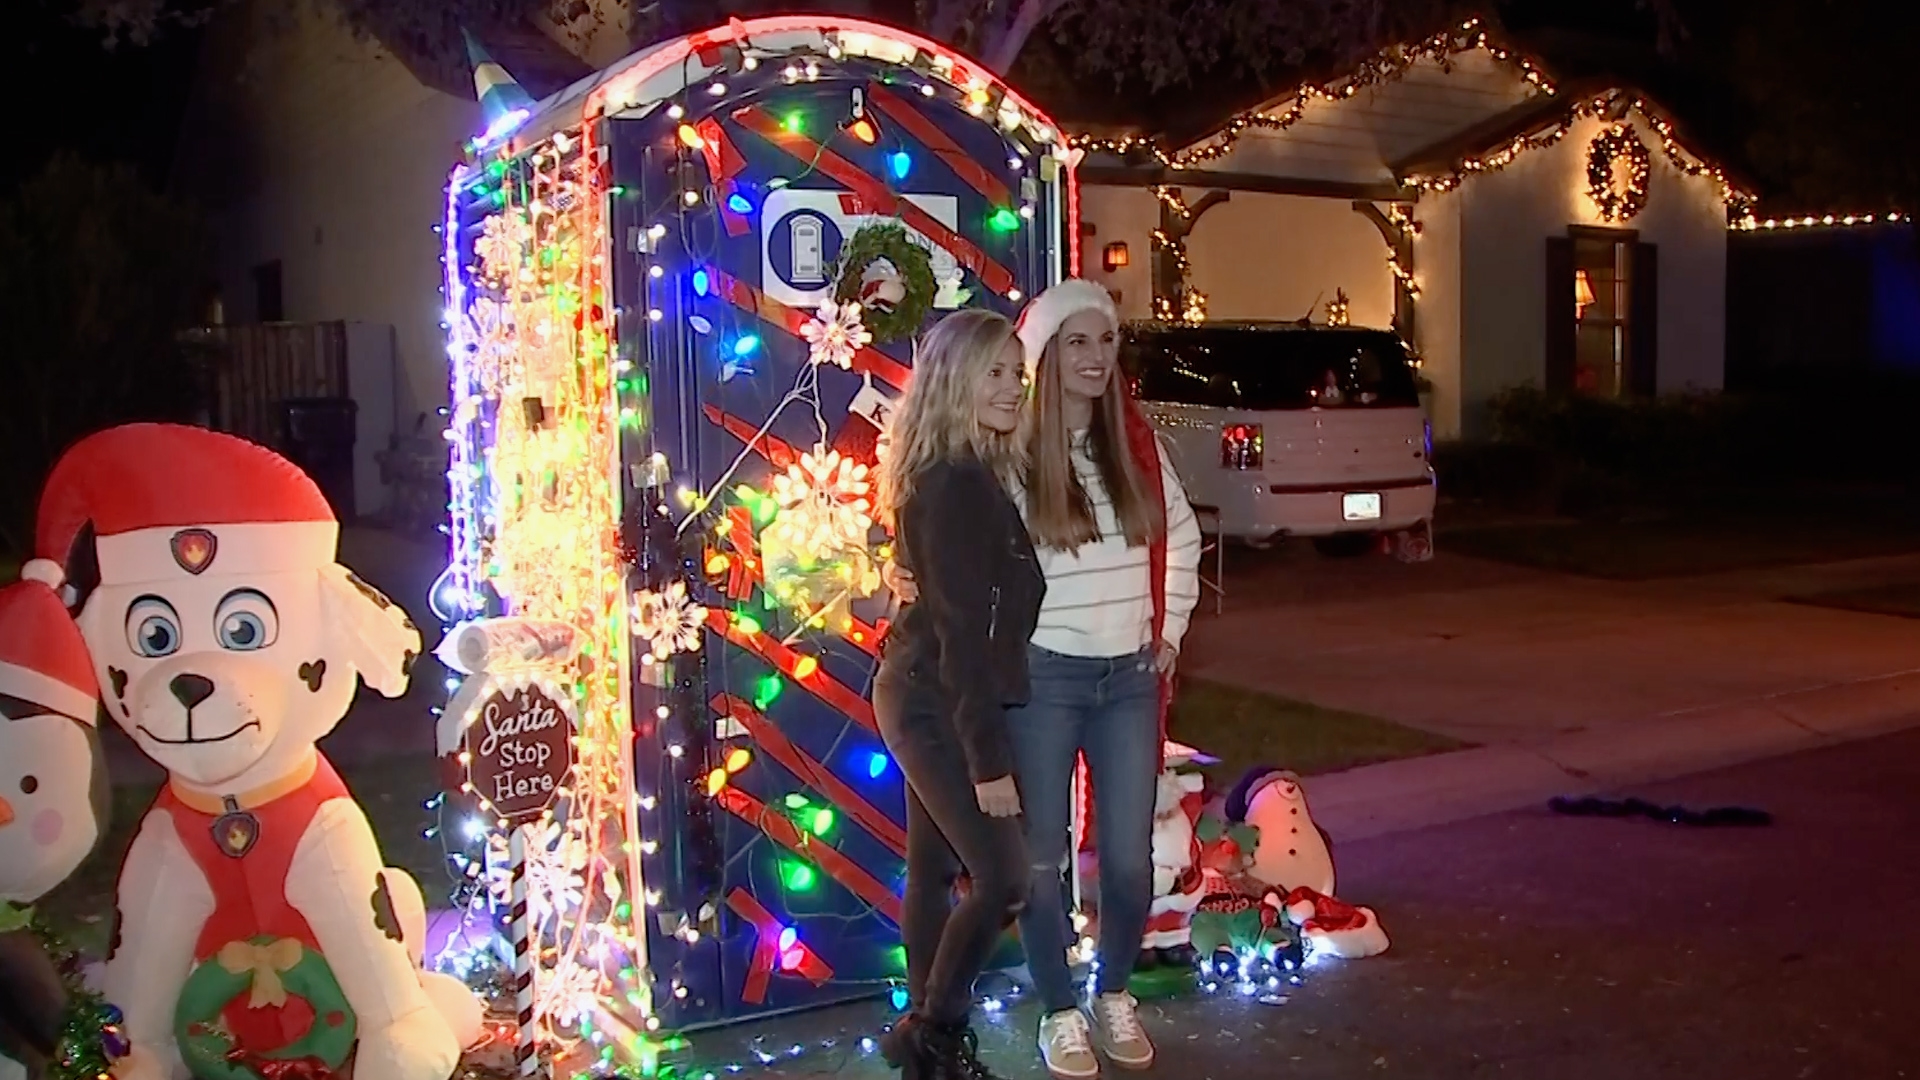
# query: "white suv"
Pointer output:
{"type": "Point", "coordinates": [1282, 429]}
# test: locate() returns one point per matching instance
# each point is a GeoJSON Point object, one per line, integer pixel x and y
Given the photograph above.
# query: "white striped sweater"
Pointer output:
{"type": "Point", "coordinates": [1099, 601]}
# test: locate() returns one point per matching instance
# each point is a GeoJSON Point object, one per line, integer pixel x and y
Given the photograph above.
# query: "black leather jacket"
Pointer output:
{"type": "Point", "coordinates": [980, 589]}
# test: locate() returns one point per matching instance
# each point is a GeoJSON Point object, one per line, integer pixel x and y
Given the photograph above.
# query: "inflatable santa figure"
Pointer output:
{"type": "Point", "coordinates": [1178, 883]}
{"type": "Point", "coordinates": [53, 798]}
{"type": "Point", "coordinates": [258, 928]}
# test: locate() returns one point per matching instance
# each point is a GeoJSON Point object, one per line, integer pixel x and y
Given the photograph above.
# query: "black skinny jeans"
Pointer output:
{"type": "Point", "coordinates": [948, 944]}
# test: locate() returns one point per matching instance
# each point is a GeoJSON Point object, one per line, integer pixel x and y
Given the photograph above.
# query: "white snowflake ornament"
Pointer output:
{"type": "Point", "coordinates": [836, 335]}
{"type": "Point", "coordinates": [824, 501]}
{"type": "Point", "coordinates": [668, 620]}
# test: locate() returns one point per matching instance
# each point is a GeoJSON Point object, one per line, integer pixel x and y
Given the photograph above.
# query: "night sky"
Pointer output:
{"type": "Point", "coordinates": [65, 91]}
{"type": "Point", "coordinates": [124, 104]}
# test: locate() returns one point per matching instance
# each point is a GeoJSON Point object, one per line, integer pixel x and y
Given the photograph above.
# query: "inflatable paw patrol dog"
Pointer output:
{"type": "Point", "coordinates": [259, 933]}
{"type": "Point", "coordinates": [53, 797]}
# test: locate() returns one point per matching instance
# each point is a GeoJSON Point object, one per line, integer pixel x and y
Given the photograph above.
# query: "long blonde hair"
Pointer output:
{"type": "Point", "coordinates": [937, 419]}
{"type": "Point", "coordinates": [1059, 511]}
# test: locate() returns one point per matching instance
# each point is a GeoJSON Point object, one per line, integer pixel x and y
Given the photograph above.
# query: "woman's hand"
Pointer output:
{"type": "Point", "coordinates": [1165, 656]}
{"type": "Point", "coordinates": [899, 581]}
{"type": "Point", "coordinates": [998, 798]}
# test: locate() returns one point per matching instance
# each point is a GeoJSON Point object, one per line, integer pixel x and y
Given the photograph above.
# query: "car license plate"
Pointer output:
{"type": "Point", "coordinates": [1360, 506]}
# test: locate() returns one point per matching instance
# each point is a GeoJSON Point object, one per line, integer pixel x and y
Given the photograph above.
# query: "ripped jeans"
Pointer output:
{"type": "Point", "coordinates": [1107, 708]}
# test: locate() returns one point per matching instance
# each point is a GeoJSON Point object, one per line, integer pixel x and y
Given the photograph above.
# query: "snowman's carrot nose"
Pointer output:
{"type": "Point", "coordinates": [6, 813]}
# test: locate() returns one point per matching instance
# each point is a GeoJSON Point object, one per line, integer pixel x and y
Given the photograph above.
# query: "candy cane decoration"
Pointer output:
{"type": "Point", "coordinates": [527, 1050]}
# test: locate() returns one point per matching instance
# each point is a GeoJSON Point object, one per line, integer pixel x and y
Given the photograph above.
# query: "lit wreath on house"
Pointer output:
{"type": "Point", "coordinates": [1617, 199]}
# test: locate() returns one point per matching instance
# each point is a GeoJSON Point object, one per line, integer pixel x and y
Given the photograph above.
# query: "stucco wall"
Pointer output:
{"type": "Point", "coordinates": [1255, 256]}
{"type": "Point", "coordinates": [1436, 271]}
{"type": "Point", "coordinates": [1127, 215]}
{"type": "Point", "coordinates": [1506, 218]}
{"type": "Point", "coordinates": [344, 157]}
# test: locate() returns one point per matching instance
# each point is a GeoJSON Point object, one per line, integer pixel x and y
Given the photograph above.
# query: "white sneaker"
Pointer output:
{"type": "Point", "coordinates": [1066, 1045]}
{"type": "Point", "coordinates": [1116, 1017]}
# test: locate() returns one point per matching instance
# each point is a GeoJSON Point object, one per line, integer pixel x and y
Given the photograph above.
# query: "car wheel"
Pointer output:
{"type": "Point", "coordinates": [1344, 545]}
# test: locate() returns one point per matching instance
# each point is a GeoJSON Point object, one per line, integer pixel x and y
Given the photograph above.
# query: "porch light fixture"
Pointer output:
{"type": "Point", "coordinates": [1115, 256]}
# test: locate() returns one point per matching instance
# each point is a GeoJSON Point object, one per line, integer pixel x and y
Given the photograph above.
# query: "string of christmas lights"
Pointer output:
{"type": "Point", "coordinates": [1191, 304]}
{"type": "Point", "coordinates": [1394, 63]}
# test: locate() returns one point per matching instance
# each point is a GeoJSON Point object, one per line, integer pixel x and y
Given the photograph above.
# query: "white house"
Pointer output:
{"type": "Point", "coordinates": [324, 156]}
{"type": "Point", "coordinates": [1514, 231]}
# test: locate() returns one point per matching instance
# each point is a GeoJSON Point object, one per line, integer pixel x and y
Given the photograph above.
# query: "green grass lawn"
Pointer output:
{"type": "Point", "coordinates": [392, 794]}
{"type": "Point", "coordinates": [1240, 727]}
{"type": "Point", "coordinates": [1244, 728]}
{"type": "Point", "coordinates": [1683, 545]}
{"type": "Point", "coordinates": [1901, 599]}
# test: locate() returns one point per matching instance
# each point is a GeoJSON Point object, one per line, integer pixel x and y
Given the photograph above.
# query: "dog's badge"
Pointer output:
{"type": "Point", "coordinates": [236, 831]}
{"type": "Point", "coordinates": [194, 549]}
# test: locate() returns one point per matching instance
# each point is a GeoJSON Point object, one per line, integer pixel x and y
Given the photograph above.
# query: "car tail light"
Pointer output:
{"type": "Point", "coordinates": [1241, 447]}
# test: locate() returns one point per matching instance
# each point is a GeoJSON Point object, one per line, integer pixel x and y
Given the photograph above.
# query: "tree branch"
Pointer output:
{"type": "Point", "coordinates": [1004, 47]}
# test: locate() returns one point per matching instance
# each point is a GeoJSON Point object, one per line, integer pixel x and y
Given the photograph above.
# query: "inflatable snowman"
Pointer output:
{"type": "Point", "coordinates": [1294, 862]}
{"type": "Point", "coordinates": [1293, 852]}
{"type": "Point", "coordinates": [53, 797]}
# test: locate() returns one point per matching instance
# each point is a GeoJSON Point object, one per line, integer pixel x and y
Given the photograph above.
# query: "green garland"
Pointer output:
{"type": "Point", "coordinates": [887, 240]}
{"type": "Point", "coordinates": [91, 1038]}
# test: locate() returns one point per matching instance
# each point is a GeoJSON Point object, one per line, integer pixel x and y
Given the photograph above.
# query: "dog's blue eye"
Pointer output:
{"type": "Point", "coordinates": [158, 637]}
{"type": "Point", "coordinates": [153, 629]}
{"type": "Point", "coordinates": [242, 630]}
{"type": "Point", "coordinates": [245, 621]}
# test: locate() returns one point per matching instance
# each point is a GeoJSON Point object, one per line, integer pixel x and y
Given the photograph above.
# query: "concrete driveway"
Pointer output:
{"type": "Point", "coordinates": [1564, 681]}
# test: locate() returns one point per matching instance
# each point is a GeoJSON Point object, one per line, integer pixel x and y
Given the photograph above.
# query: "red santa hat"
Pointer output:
{"type": "Point", "coordinates": [43, 659]}
{"type": "Point", "coordinates": [168, 501]}
{"type": "Point", "coordinates": [1042, 318]}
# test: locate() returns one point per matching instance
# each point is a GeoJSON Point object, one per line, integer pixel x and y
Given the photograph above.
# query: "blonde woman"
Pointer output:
{"type": "Point", "coordinates": [952, 664]}
{"type": "Point", "coordinates": [1120, 549]}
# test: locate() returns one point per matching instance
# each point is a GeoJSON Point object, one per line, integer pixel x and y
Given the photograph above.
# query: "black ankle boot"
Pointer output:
{"type": "Point", "coordinates": [904, 1047]}
{"type": "Point", "coordinates": [955, 1053]}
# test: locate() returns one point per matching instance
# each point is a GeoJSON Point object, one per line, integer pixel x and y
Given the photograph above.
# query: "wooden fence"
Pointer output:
{"type": "Point", "coordinates": [256, 368]}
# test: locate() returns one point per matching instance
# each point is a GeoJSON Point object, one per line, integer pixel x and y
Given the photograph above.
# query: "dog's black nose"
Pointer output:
{"type": "Point", "coordinates": [190, 690]}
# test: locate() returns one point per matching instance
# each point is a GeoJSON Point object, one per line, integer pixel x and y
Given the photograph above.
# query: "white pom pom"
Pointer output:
{"type": "Point", "coordinates": [45, 571]}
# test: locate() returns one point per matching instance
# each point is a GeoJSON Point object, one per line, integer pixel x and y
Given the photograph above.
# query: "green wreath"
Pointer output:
{"type": "Point", "coordinates": [210, 1051]}
{"type": "Point", "coordinates": [886, 240]}
{"type": "Point", "coordinates": [1607, 148]}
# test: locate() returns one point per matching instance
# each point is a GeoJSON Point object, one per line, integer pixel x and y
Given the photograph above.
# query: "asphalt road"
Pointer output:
{"type": "Point", "coordinates": [1531, 945]}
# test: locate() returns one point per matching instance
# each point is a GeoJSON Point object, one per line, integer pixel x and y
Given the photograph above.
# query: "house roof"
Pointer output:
{"type": "Point", "coordinates": [1501, 129]}
{"type": "Point", "coordinates": [1532, 118]}
{"type": "Point", "coordinates": [1548, 107]}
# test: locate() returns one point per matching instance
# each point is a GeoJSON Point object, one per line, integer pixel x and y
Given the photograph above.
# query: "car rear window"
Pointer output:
{"type": "Point", "coordinates": [1246, 368]}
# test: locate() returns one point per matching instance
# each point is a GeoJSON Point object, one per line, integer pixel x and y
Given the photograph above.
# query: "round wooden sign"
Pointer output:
{"type": "Point", "coordinates": [518, 745]}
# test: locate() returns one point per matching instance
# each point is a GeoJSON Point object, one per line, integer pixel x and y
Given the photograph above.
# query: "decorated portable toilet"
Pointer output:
{"type": "Point", "coordinates": [681, 298]}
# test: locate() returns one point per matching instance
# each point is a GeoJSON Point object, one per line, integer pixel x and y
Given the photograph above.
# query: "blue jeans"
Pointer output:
{"type": "Point", "coordinates": [1107, 708]}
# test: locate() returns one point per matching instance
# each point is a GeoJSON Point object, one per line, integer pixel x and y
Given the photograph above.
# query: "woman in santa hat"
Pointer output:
{"type": "Point", "coordinates": [1120, 550]}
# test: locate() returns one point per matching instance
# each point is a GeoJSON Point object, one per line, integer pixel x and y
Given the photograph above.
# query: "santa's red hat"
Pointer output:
{"type": "Point", "coordinates": [43, 659]}
{"type": "Point", "coordinates": [1041, 319]}
{"type": "Point", "coordinates": [168, 501]}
